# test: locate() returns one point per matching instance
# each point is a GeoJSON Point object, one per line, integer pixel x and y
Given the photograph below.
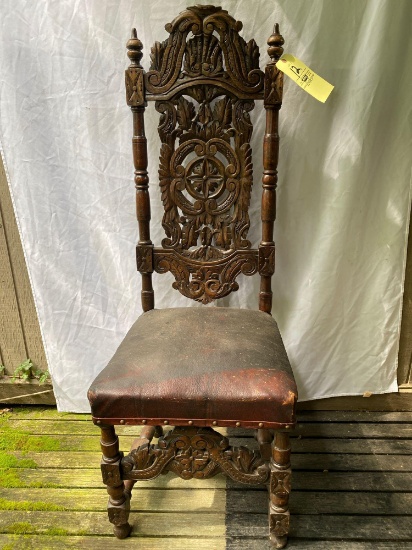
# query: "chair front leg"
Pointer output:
{"type": "Point", "coordinates": [280, 478]}
{"type": "Point", "coordinates": [118, 507]}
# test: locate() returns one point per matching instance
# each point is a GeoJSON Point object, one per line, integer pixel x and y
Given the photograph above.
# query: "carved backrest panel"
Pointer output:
{"type": "Point", "coordinates": [204, 79]}
{"type": "Point", "coordinates": [210, 77]}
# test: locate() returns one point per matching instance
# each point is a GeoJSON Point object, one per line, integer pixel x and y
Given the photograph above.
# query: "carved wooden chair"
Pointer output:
{"type": "Point", "coordinates": [201, 368]}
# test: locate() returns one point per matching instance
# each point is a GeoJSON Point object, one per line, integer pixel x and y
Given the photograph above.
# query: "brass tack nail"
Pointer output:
{"type": "Point", "coordinates": [144, 421]}
{"type": "Point", "coordinates": [260, 424]}
{"type": "Point", "coordinates": [214, 423]}
{"type": "Point", "coordinates": [287, 427]}
{"type": "Point", "coordinates": [98, 422]}
{"type": "Point", "coordinates": [166, 422]}
{"type": "Point", "coordinates": [122, 421]}
{"type": "Point", "coordinates": [238, 424]}
{"type": "Point", "coordinates": [190, 422]}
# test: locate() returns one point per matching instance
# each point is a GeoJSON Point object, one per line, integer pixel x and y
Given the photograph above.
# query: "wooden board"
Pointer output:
{"type": "Point", "coordinates": [308, 429]}
{"type": "Point", "coordinates": [183, 543]}
{"type": "Point", "coordinates": [51, 413]}
{"type": "Point", "coordinates": [405, 342]}
{"type": "Point", "coordinates": [352, 490]}
{"type": "Point", "coordinates": [21, 392]}
{"type": "Point", "coordinates": [309, 461]}
{"type": "Point", "coordinates": [298, 544]}
{"type": "Point", "coordinates": [299, 444]}
{"type": "Point", "coordinates": [214, 500]}
{"type": "Point", "coordinates": [328, 527]}
{"type": "Point", "coordinates": [302, 480]}
{"type": "Point", "coordinates": [20, 336]}
{"type": "Point", "coordinates": [95, 523]}
{"type": "Point", "coordinates": [12, 345]}
{"type": "Point", "coordinates": [401, 401]}
{"type": "Point", "coordinates": [110, 543]}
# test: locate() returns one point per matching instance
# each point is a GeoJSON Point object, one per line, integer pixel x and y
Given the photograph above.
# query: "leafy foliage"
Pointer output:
{"type": "Point", "coordinates": [27, 370]}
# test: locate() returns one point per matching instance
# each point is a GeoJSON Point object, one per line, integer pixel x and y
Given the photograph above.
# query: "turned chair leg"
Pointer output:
{"type": "Point", "coordinates": [264, 437]}
{"type": "Point", "coordinates": [118, 507]}
{"type": "Point", "coordinates": [280, 477]}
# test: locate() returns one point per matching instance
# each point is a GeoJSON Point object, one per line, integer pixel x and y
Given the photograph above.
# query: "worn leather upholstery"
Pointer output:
{"type": "Point", "coordinates": [211, 366]}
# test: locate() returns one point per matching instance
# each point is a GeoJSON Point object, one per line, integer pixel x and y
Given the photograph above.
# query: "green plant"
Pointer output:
{"type": "Point", "coordinates": [24, 371]}
{"type": "Point", "coordinates": [2, 370]}
{"type": "Point", "coordinates": [27, 370]}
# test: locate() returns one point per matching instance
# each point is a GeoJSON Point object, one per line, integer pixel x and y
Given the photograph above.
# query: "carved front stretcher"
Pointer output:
{"type": "Point", "coordinates": [198, 453]}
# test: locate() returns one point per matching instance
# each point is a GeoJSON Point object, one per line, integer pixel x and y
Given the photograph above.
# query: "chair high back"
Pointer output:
{"type": "Point", "coordinates": [234, 371]}
{"type": "Point", "coordinates": [204, 79]}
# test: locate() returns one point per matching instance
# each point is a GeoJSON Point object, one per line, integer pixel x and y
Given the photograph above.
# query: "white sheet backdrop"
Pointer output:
{"type": "Point", "coordinates": [345, 171]}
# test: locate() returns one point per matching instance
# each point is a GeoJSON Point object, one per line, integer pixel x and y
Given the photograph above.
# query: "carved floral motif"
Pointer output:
{"type": "Point", "coordinates": [205, 178]}
{"type": "Point", "coordinates": [215, 49]}
{"type": "Point", "coordinates": [279, 524]}
{"type": "Point", "coordinates": [195, 453]}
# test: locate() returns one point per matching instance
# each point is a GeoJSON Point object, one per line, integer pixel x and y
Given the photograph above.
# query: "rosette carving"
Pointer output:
{"type": "Point", "coordinates": [205, 178]}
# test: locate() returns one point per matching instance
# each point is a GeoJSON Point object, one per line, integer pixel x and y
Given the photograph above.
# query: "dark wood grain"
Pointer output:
{"type": "Point", "coordinates": [135, 99]}
{"type": "Point", "coordinates": [119, 501]}
{"type": "Point", "coordinates": [279, 490]}
{"type": "Point", "coordinates": [272, 104]}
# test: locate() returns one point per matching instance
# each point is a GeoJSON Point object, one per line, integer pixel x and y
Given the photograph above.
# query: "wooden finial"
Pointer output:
{"type": "Point", "coordinates": [275, 42]}
{"type": "Point", "coordinates": [135, 50]}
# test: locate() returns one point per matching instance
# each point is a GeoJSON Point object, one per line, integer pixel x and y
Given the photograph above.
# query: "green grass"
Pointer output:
{"type": "Point", "coordinates": [10, 479]}
{"type": "Point", "coordinates": [12, 439]}
{"type": "Point", "coordinates": [10, 461]}
{"type": "Point", "coordinates": [21, 528]}
{"type": "Point", "coordinates": [27, 505]}
{"type": "Point", "coordinates": [49, 412]}
{"type": "Point", "coordinates": [26, 528]}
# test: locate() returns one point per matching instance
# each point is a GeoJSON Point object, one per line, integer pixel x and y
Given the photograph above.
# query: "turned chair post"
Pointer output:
{"type": "Point", "coordinates": [272, 103]}
{"type": "Point", "coordinates": [118, 507]}
{"type": "Point", "coordinates": [136, 100]}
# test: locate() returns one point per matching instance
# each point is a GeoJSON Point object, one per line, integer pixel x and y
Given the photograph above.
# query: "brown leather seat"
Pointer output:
{"type": "Point", "coordinates": [212, 366]}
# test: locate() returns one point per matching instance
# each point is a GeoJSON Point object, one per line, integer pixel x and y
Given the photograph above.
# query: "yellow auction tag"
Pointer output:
{"type": "Point", "coordinates": [305, 77]}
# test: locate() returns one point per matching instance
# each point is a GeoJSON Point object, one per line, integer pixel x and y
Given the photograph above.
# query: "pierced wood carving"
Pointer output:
{"type": "Point", "coordinates": [215, 49]}
{"type": "Point", "coordinates": [195, 453]}
{"type": "Point", "coordinates": [206, 281]}
{"type": "Point", "coordinates": [205, 88]}
{"type": "Point", "coordinates": [205, 172]}
{"type": "Point", "coordinates": [205, 181]}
